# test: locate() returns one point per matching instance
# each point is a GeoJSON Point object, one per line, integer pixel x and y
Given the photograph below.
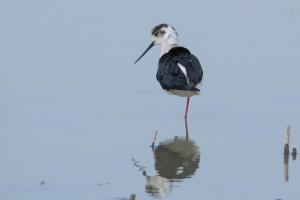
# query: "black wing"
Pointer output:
{"type": "Point", "coordinates": [170, 76]}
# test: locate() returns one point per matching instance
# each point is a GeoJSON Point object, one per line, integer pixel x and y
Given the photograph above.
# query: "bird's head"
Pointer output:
{"type": "Point", "coordinates": [162, 34]}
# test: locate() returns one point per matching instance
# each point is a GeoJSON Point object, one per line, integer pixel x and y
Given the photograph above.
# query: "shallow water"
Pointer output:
{"type": "Point", "coordinates": [77, 118]}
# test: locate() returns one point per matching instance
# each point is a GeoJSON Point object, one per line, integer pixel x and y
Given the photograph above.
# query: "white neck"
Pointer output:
{"type": "Point", "coordinates": [165, 47]}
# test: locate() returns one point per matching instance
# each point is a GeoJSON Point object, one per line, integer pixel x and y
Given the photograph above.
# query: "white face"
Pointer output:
{"type": "Point", "coordinates": [165, 35]}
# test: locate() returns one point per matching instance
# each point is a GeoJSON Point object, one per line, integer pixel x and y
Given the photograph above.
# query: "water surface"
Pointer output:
{"type": "Point", "coordinates": [77, 117]}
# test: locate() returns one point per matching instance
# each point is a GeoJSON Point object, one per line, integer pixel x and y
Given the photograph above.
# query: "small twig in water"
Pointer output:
{"type": "Point", "coordinates": [136, 163]}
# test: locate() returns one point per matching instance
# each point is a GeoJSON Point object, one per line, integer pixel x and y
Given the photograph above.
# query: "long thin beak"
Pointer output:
{"type": "Point", "coordinates": [149, 47]}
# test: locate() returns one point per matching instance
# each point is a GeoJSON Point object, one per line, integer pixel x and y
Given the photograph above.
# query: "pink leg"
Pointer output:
{"type": "Point", "coordinates": [187, 107]}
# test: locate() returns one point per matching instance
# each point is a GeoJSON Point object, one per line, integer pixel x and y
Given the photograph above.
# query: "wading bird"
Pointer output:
{"type": "Point", "coordinates": [179, 71]}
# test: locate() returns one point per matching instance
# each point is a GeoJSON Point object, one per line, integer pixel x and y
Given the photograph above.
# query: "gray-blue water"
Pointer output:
{"type": "Point", "coordinates": [77, 117]}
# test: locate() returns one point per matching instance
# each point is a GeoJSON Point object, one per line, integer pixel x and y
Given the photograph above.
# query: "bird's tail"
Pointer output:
{"type": "Point", "coordinates": [191, 86]}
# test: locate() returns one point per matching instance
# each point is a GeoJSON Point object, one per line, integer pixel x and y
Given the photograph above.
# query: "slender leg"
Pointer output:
{"type": "Point", "coordinates": [187, 107]}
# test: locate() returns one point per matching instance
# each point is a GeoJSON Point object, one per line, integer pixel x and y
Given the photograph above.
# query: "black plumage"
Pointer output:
{"type": "Point", "coordinates": [169, 74]}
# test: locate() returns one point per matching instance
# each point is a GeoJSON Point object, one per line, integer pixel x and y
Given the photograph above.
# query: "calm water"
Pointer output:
{"type": "Point", "coordinates": [77, 118]}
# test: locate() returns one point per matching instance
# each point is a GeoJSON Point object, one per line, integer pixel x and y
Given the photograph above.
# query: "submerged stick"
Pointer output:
{"type": "Point", "coordinates": [154, 139]}
{"type": "Point", "coordinates": [286, 153]}
{"type": "Point", "coordinates": [286, 167]}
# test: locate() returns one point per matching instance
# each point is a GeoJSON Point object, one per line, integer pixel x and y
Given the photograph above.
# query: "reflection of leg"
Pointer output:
{"type": "Point", "coordinates": [154, 139]}
{"type": "Point", "coordinates": [187, 107]}
{"type": "Point", "coordinates": [186, 129]}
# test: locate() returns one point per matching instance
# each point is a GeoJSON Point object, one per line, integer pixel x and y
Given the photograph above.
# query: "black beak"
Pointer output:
{"type": "Point", "coordinates": [149, 47]}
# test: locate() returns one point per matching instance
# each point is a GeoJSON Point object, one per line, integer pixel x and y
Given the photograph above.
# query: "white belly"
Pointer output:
{"type": "Point", "coordinates": [182, 93]}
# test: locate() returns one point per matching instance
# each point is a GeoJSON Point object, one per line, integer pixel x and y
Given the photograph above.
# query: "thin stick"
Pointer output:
{"type": "Point", "coordinates": [286, 153]}
{"type": "Point", "coordinates": [287, 140]}
{"type": "Point", "coordinates": [154, 139]}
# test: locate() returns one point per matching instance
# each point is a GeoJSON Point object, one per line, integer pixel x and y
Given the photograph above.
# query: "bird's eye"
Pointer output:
{"type": "Point", "coordinates": [162, 32]}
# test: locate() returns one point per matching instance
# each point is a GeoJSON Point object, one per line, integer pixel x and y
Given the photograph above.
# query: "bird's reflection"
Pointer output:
{"type": "Point", "coordinates": [175, 160]}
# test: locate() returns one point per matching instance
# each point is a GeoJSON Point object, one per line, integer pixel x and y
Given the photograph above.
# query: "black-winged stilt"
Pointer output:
{"type": "Point", "coordinates": [179, 71]}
